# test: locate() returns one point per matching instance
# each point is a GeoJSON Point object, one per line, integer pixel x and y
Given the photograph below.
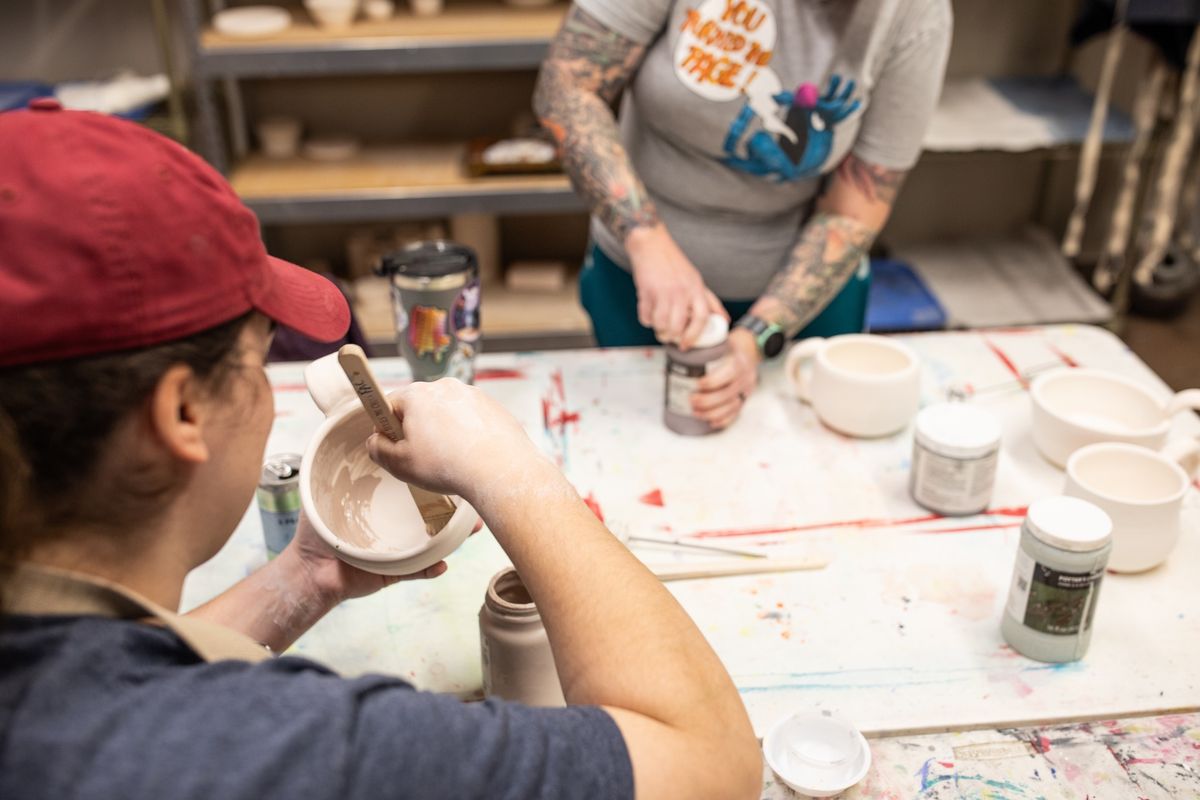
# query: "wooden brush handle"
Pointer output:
{"type": "Point", "coordinates": [718, 569]}
{"type": "Point", "coordinates": [354, 364]}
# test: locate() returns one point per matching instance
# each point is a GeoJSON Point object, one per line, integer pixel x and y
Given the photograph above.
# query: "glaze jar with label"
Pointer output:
{"type": "Point", "coordinates": [956, 448]}
{"type": "Point", "coordinates": [517, 662]}
{"type": "Point", "coordinates": [685, 368]}
{"type": "Point", "coordinates": [1064, 548]}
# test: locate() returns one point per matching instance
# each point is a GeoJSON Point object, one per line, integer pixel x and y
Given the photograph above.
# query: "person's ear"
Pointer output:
{"type": "Point", "coordinates": [178, 413]}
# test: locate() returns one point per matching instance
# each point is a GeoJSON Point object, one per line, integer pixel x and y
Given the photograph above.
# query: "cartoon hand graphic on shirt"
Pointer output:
{"type": "Point", "coordinates": [790, 157]}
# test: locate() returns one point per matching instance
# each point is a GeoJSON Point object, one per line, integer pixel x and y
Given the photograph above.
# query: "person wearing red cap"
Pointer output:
{"type": "Point", "coordinates": [137, 304]}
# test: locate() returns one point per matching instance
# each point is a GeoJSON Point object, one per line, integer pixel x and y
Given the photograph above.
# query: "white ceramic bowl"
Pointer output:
{"type": "Point", "coordinates": [1073, 408]}
{"type": "Point", "coordinates": [333, 14]}
{"type": "Point", "coordinates": [249, 22]}
{"type": "Point", "coordinates": [367, 516]}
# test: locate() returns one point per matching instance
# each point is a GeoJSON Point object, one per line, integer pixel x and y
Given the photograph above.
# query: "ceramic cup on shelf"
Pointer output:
{"type": "Point", "coordinates": [379, 9]}
{"type": "Point", "coordinates": [333, 15]}
{"type": "Point", "coordinates": [1142, 491]}
{"type": "Point", "coordinates": [426, 8]}
{"type": "Point", "coordinates": [279, 137]}
{"type": "Point", "coordinates": [367, 516]}
{"type": "Point", "coordinates": [1073, 408]}
{"type": "Point", "coordinates": [858, 384]}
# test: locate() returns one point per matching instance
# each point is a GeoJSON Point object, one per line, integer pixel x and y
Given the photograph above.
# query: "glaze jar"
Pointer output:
{"type": "Point", "coordinates": [1063, 552]}
{"type": "Point", "coordinates": [685, 369]}
{"type": "Point", "coordinates": [956, 448]}
{"type": "Point", "coordinates": [517, 662]}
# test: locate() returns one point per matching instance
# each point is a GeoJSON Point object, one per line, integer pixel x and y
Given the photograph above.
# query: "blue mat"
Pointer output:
{"type": "Point", "coordinates": [900, 301]}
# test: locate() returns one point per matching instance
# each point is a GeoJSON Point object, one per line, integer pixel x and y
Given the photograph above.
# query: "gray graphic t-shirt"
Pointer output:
{"type": "Point", "coordinates": [742, 106]}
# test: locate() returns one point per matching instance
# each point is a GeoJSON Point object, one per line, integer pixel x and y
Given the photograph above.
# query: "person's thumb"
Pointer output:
{"type": "Point", "coordinates": [386, 453]}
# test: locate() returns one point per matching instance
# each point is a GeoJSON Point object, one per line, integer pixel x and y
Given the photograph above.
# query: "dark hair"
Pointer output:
{"type": "Point", "coordinates": [56, 423]}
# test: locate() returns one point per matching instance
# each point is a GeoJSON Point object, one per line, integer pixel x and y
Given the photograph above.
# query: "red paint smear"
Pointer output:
{"type": "Point", "coordinates": [947, 764]}
{"type": "Point", "coordinates": [498, 374]}
{"type": "Point", "coordinates": [653, 498]}
{"type": "Point", "coordinates": [288, 387]}
{"type": "Point", "coordinates": [557, 379]}
{"type": "Point", "coordinates": [1063, 357]}
{"type": "Point", "coordinates": [1043, 744]}
{"type": "Point", "coordinates": [969, 528]}
{"type": "Point", "coordinates": [1004, 359]}
{"type": "Point", "coordinates": [591, 502]}
{"type": "Point", "coordinates": [560, 420]}
{"type": "Point", "coordinates": [1196, 483]}
{"type": "Point", "coordinates": [858, 523]}
{"type": "Point", "coordinates": [1143, 761]}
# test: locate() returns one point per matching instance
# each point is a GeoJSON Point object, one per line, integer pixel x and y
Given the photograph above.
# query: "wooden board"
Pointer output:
{"type": "Point", "coordinates": [403, 170]}
{"type": "Point", "coordinates": [477, 22]}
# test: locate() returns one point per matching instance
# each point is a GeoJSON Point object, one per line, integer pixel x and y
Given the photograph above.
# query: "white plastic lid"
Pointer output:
{"type": "Point", "coordinates": [817, 753]}
{"type": "Point", "coordinates": [1069, 523]}
{"type": "Point", "coordinates": [716, 330]}
{"type": "Point", "coordinates": [959, 430]}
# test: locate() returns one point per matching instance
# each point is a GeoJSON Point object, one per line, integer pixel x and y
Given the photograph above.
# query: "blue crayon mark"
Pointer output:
{"type": "Point", "coordinates": [880, 677]}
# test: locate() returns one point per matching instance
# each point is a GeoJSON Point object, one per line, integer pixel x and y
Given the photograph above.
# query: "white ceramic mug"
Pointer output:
{"type": "Point", "coordinates": [860, 385]}
{"type": "Point", "coordinates": [365, 514]}
{"type": "Point", "coordinates": [1073, 408]}
{"type": "Point", "coordinates": [1141, 490]}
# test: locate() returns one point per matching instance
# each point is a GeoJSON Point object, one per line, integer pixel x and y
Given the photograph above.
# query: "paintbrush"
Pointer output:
{"type": "Point", "coordinates": [436, 509]}
{"type": "Point", "coordinates": [687, 572]}
{"type": "Point", "coordinates": [675, 541]}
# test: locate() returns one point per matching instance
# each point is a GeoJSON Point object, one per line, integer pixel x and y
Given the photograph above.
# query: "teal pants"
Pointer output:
{"type": "Point", "coordinates": [610, 299]}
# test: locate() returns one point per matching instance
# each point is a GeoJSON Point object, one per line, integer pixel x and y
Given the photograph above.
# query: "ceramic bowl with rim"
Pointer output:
{"type": "Point", "coordinates": [1073, 408]}
{"type": "Point", "coordinates": [333, 14]}
{"type": "Point", "coordinates": [365, 514]}
{"type": "Point", "coordinates": [249, 22]}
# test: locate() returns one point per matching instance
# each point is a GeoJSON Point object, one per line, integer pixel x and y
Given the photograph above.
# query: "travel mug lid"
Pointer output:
{"type": "Point", "coordinates": [431, 259]}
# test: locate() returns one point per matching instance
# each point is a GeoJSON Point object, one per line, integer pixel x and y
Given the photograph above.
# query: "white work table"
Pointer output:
{"type": "Point", "coordinates": [901, 632]}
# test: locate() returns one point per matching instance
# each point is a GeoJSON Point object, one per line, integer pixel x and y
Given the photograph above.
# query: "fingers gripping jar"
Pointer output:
{"type": "Point", "coordinates": [685, 369]}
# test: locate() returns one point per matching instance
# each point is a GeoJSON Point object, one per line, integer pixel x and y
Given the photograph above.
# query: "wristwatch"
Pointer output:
{"type": "Point", "coordinates": [767, 335]}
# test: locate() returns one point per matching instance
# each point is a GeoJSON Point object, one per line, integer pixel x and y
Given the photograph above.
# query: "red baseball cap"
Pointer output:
{"type": "Point", "coordinates": [113, 237]}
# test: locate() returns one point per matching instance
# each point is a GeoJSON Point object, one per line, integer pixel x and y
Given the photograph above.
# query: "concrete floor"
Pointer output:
{"type": "Point", "coordinates": [1170, 347]}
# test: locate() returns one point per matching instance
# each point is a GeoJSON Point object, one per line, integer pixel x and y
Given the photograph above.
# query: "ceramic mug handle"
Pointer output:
{"type": "Point", "coordinates": [797, 357]}
{"type": "Point", "coordinates": [327, 384]}
{"type": "Point", "coordinates": [1185, 452]}
{"type": "Point", "coordinates": [1187, 399]}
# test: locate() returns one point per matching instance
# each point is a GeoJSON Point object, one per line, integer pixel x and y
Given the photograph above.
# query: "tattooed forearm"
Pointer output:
{"type": "Point", "coordinates": [877, 184]}
{"type": "Point", "coordinates": [587, 67]}
{"type": "Point", "coordinates": [829, 249]}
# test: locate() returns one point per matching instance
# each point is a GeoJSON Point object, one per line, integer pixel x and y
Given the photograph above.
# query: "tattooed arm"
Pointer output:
{"type": "Point", "coordinates": [585, 71]}
{"type": "Point", "coordinates": [587, 67]}
{"type": "Point", "coordinates": [849, 215]}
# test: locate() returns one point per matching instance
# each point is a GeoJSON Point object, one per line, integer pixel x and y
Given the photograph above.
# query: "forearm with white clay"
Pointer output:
{"type": "Point", "coordinates": [620, 639]}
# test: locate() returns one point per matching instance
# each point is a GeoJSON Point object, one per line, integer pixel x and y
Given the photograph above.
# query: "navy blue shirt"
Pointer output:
{"type": "Point", "coordinates": [98, 708]}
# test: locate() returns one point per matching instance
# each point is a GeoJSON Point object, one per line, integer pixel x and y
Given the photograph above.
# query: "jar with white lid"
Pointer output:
{"type": "Point", "coordinates": [685, 369]}
{"type": "Point", "coordinates": [1064, 548]}
{"type": "Point", "coordinates": [956, 448]}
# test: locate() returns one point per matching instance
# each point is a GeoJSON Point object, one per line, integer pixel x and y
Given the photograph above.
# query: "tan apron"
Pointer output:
{"type": "Point", "coordinates": [40, 590]}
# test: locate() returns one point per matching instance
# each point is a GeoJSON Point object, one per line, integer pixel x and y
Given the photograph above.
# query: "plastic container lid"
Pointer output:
{"type": "Point", "coordinates": [817, 753]}
{"type": "Point", "coordinates": [716, 330]}
{"type": "Point", "coordinates": [1069, 523]}
{"type": "Point", "coordinates": [958, 430]}
{"type": "Point", "coordinates": [431, 259]}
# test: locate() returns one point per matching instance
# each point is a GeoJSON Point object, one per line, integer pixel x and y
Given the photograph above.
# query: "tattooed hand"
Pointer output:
{"type": "Point", "coordinates": [832, 244]}
{"type": "Point", "coordinates": [587, 67]}
{"type": "Point", "coordinates": [672, 297]}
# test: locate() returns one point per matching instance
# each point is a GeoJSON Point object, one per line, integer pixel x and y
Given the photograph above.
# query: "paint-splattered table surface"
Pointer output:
{"type": "Point", "coordinates": [899, 633]}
